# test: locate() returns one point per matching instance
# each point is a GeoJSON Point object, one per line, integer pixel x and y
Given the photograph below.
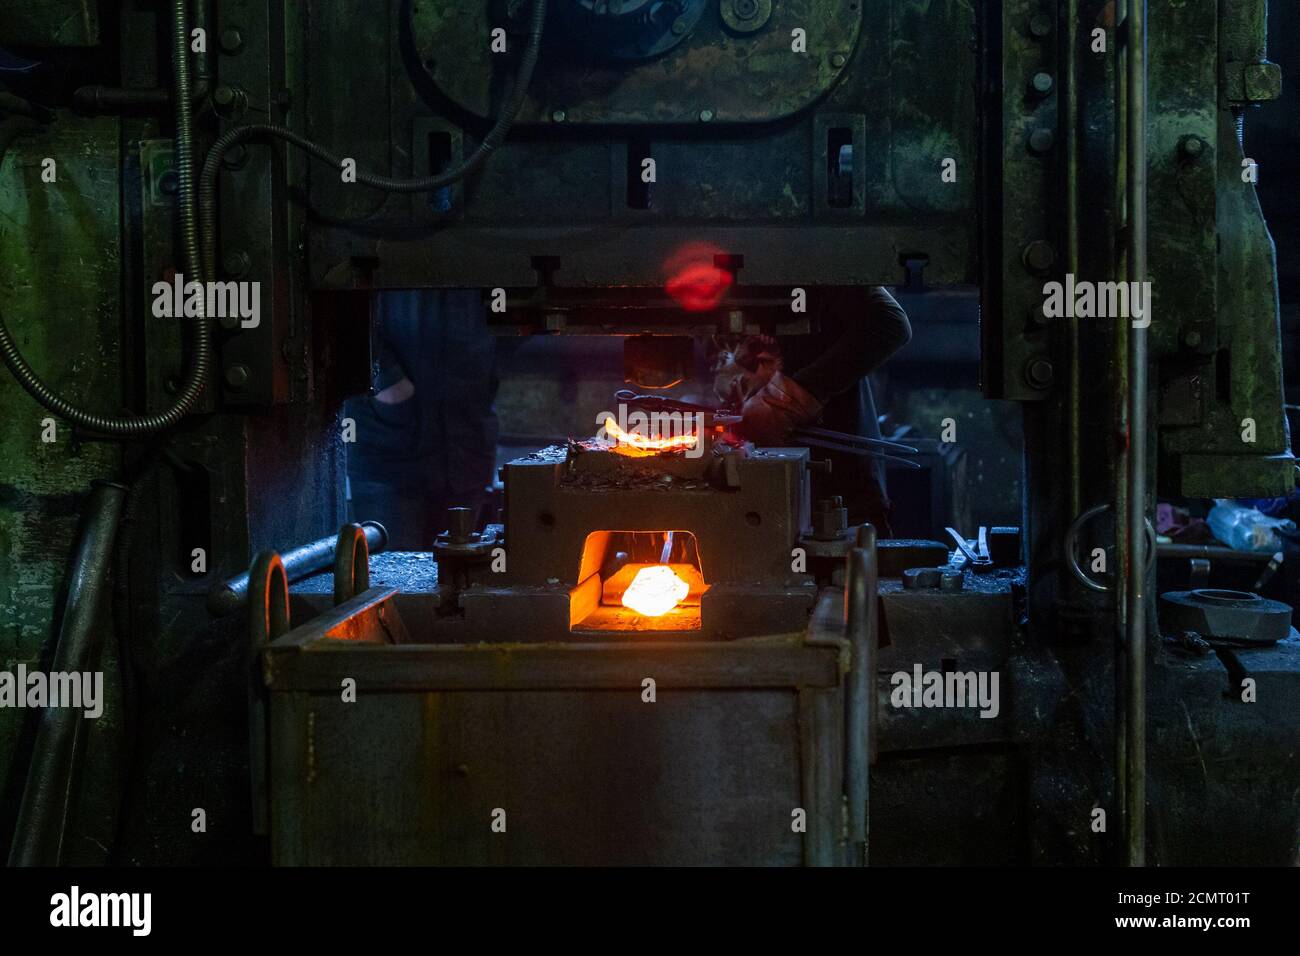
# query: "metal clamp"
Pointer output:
{"type": "Point", "coordinates": [1073, 534]}
{"type": "Point", "coordinates": [351, 563]}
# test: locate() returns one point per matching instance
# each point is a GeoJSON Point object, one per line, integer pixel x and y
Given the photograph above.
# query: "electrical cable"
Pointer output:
{"type": "Point", "coordinates": [199, 257]}
{"type": "Point", "coordinates": [201, 358]}
{"type": "Point", "coordinates": [495, 137]}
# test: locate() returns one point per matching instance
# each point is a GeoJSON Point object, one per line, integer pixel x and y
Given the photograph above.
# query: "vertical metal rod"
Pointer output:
{"type": "Point", "coordinates": [1071, 125]}
{"type": "Point", "coordinates": [1119, 267]}
{"type": "Point", "coordinates": [1135, 506]}
{"type": "Point", "coordinates": [860, 627]}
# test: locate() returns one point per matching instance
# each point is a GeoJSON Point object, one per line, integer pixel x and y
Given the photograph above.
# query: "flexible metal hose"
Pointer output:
{"type": "Point", "coordinates": [201, 353]}
{"type": "Point", "coordinates": [200, 261]}
{"type": "Point", "coordinates": [495, 137]}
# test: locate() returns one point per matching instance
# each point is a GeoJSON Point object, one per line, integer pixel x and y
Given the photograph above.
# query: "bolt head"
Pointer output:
{"type": "Point", "coordinates": [237, 376]}
{"type": "Point", "coordinates": [559, 116]}
{"type": "Point", "coordinates": [1041, 140]}
{"type": "Point", "coordinates": [1192, 339]}
{"type": "Point", "coordinates": [679, 26]}
{"type": "Point", "coordinates": [1039, 256]}
{"type": "Point", "coordinates": [232, 41]}
{"type": "Point", "coordinates": [1192, 146]}
{"type": "Point", "coordinates": [235, 157]}
{"type": "Point", "coordinates": [1041, 83]}
{"type": "Point", "coordinates": [838, 60]}
{"type": "Point", "coordinates": [1040, 25]}
{"type": "Point", "coordinates": [706, 116]}
{"type": "Point", "coordinates": [1039, 373]}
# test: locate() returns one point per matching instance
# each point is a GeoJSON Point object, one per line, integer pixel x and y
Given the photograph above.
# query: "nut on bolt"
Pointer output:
{"type": "Point", "coordinates": [830, 520]}
{"type": "Point", "coordinates": [237, 376]}
{"type": "Point", "coordinates": [229, 100]}
{"type": "Point", "coordinates": [745, 16]}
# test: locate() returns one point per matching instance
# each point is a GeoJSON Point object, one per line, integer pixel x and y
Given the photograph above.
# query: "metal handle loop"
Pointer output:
{"type": "Point", "coordinates": [1073, 534]}
{"type": "Point", "coordinates": [351, 563]}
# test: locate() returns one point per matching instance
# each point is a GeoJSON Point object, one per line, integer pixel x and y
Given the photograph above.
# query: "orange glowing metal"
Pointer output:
{"type": "Point", "coordinates": [632, 443]}
{"type": "Point", "coordinates": [655, 591]}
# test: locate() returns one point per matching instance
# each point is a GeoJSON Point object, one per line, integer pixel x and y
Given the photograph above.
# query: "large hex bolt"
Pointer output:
{"type": "Point", "coordinates": [830, 520]}
{"type": "Point", "coordinates": [460, 525]}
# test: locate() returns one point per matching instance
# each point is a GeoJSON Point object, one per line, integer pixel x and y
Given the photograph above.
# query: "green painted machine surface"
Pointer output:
{"type": "Point", "coordinates": [819, 168]}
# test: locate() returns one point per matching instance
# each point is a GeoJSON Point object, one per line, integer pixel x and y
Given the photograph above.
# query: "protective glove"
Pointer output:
{"type": "Point", "coordinates": [775, 410]}
{"type": "Point", "coordinates": [742, 371]}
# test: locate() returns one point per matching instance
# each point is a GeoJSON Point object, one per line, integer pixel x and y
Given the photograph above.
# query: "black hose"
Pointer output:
{"type": "Point", "coordinates": [201, 356]}
{"type": "Point", "coordinates": [495, 137]}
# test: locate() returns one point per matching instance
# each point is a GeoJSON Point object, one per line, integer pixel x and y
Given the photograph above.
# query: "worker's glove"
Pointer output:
{"type": "Point", "coordinates": [742, 371]}
{"type": "Point", "coordinates": [777, 409]}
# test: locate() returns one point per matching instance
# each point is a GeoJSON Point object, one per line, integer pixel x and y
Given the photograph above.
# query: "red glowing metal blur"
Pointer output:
{"type": "Point", "coordinates": [699, 287]}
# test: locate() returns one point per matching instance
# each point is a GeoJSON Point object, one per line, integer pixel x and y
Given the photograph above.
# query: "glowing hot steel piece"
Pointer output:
{"type": "Point", "coordinates": [655, 590]}
{"type": "Point", "coordinates": [644, 444]}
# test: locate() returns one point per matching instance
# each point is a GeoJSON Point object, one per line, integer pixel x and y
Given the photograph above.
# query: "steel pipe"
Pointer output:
{"type": "Point", "coordinates": [47, 797]}
{"type": "Point", "coordinates": [229, 596]}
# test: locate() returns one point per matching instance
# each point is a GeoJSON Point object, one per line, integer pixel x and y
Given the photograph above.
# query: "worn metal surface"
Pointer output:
{"type": "Point", "coordinates": [712, 76]}
{"type": "Point", "coordinates": [560, 192]}
{"type": "Point", "coordinates": [1216, 613]}
{"type": "Point", "coordinates": [50, 23]}
{"type": "Point", "coordinates": [61, 246]}
{"type": "Point", "coordinates": [740, 736]}
{"type": "Point", "coordinates": [745, 510]}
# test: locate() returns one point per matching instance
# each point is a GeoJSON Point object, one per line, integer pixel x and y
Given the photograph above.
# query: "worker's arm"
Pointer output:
{"type": "Point", "coordinates": [866, 343]}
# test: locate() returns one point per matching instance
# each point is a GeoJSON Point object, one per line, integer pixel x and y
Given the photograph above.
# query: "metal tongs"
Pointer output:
{"type": "Point", "coordinates": [975, 558]}
{"type": "Point", "coordinates": [658, 403]}
{"type": "Point", "coordinates": [808, 435]}
{"type": "Point", "coordinates": [854, 444]}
